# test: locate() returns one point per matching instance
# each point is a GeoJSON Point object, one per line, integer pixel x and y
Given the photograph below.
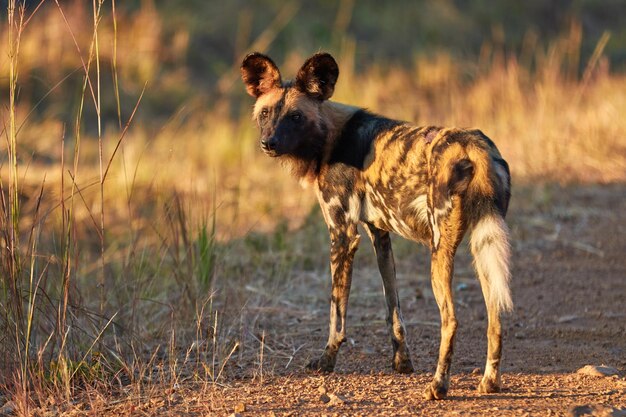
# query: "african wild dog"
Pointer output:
{"type": "Point", "coordinates": [427, 184]}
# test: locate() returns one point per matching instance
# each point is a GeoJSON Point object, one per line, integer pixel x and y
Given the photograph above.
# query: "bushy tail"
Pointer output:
{"type": "Point", "coordinates": [475, 171]}
{"type": "Point", "coordinates": [491, 250]}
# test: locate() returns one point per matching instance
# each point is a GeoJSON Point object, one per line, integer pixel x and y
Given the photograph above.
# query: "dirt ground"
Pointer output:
{"type": "Point", "coordinates": [569, 286]}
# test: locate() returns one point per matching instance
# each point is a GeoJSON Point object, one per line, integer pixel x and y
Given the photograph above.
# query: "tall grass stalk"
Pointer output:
{"type": "Point", "coordinates": [116, 83]}
{"type": "Point", "coordinates": [207, 245]}
{"type": "Point", "coordinates": [11, 213]}
{"type": "Point", "coordinates": [97, 5]}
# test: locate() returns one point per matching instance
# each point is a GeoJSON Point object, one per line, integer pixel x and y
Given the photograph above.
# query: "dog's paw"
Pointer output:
{"type": "Point", "coordinates": [436, 390]}
{"type": "Point", "coordinates": [488, 386]}
{"type": "Point", "coordinates": [402, 364]}
{"type": "Point", "coordinates": [323, 364]}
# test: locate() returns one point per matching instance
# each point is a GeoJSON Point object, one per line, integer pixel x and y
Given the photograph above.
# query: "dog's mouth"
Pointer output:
{"type": "Point", "coordinates": [269, 152]}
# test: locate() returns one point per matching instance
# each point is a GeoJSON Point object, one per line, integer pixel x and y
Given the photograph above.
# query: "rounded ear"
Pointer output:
{"type": "Point", "coordinates": [318, 76]}
{"type": "Point", "coordinates": [259, 74]}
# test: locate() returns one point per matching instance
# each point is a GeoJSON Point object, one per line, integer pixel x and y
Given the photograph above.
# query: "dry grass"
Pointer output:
{"type": "Point", "coordinates": [160, 270]}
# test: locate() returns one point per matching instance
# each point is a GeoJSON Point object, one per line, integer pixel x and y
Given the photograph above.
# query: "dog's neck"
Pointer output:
{"type": "Point", "coordinates": [334, 116]}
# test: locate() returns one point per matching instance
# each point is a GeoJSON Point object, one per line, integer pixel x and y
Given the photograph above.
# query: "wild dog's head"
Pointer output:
{"type": "Point", "coordinates": [289, 113]}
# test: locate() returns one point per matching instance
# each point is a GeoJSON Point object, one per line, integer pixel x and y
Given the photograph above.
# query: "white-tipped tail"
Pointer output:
{"type": "Point", "coordinates": [491, 250]}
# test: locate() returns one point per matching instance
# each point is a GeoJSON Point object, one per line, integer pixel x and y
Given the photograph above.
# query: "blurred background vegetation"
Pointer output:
{"type": "Point", "coordinates": [171, 233]}
{"type": "Point", "coordinates": [189, 51]}
{"type": "Point", "coordinates": [522, 71]}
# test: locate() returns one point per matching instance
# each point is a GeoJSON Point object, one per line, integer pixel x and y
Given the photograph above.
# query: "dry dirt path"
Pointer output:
{"type": "Point", "coordinates": [569, 288]}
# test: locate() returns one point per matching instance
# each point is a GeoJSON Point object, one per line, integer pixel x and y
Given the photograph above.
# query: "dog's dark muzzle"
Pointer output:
{"type": "Point", "coordinates": [270, 145]}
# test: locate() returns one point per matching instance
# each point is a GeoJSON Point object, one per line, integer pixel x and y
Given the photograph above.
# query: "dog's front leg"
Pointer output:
{"type": "Point", "coordinates": [384, 254]}
{"type": "Point", "coordinates": [343, 246]}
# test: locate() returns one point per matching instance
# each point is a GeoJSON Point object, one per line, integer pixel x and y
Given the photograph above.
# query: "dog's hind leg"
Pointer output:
{"type": "Point", "coordinates": [450, 233]}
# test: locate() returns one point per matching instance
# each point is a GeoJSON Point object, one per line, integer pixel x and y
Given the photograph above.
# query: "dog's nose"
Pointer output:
{"type": "Point", "coordinates": [269, 144]}
{"type": "Point", "coordinates": [273, 142]}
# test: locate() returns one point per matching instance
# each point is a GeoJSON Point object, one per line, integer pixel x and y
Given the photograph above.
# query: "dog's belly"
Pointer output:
{"type": "Point", "coordinates": [408, 220]}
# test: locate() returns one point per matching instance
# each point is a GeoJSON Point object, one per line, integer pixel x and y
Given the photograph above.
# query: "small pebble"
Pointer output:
{"type": "Point", "coordinates": [336, 399]}
{"type": "Point", "coordinates": [240, 408]}
{"type": "Point", "coordinates": [601, 370]}
{"type": "Point", "coordinates": [176, 398]}
{"type": "Point", "coordinates": [597, 410]}
{"type": "Point", "coordinates": [8, 409]}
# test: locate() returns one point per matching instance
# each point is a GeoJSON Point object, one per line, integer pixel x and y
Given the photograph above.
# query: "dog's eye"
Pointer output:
{"type": "Point", "coordinates": [296, 116]}
{"type": "Point", "coordinates": [264, 114]}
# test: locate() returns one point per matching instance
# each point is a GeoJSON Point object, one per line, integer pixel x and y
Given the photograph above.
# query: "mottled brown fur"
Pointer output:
{"type": "Point", "coordinates": [428, 184]}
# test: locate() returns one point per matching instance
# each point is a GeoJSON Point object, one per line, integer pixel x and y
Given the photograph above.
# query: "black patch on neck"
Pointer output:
{"type": "Point", "coordinates": [357, 135]}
